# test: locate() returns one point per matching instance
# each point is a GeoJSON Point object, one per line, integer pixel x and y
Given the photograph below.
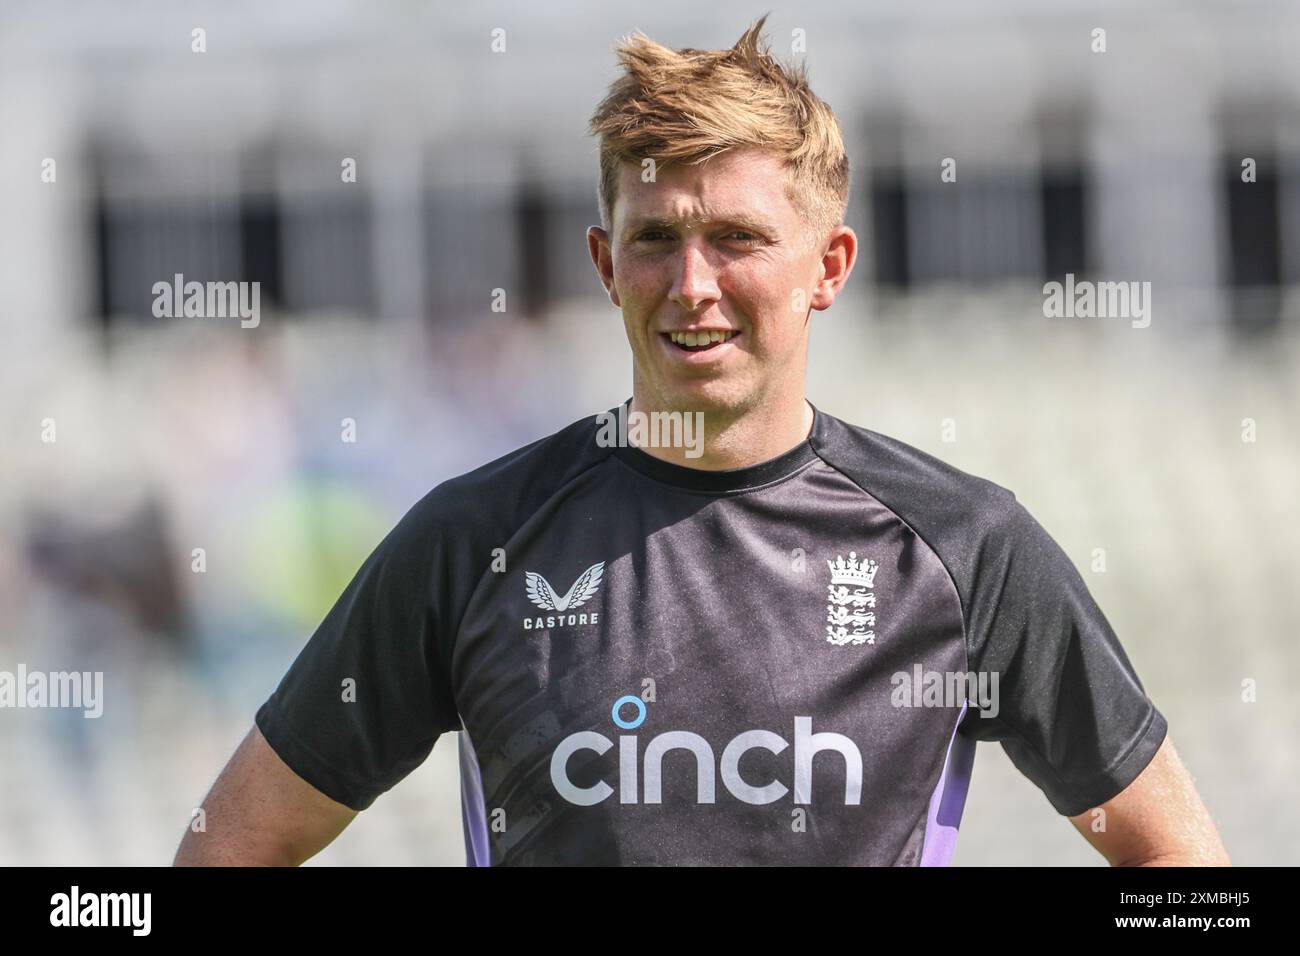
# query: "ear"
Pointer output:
{"type": "Point", "coordinates": [836, 264]}
{"type": "Point", "coordinates": [601, 258]}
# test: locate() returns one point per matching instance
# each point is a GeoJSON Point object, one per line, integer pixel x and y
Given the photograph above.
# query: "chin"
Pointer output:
{"type": "Point", "coordinates": [706, 395]}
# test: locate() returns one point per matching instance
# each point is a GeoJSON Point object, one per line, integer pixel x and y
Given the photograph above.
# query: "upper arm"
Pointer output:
{"type": "Point", "coordinates": [1074, 716]}
{"type": "Point", "coordinates": [259, 812]}
{"type": "Point", "coordinates": [368, 696]}
{"type": "Point", "coordinates": [359, 708]}
{"type": "Point", "coordinates": [1069, 709]}
{"type": "Point", "coordinates": [1158, 819]}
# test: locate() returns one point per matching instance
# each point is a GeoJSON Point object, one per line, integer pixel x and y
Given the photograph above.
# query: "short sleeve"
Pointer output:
{"type": "Point", "coordinates": [1071, 712]}
{"type": "Point", "coordinates": [369, 694]}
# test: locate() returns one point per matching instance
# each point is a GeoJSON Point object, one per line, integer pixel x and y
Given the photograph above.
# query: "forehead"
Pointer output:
{"type": "Point", "coordinates": [747, 184]}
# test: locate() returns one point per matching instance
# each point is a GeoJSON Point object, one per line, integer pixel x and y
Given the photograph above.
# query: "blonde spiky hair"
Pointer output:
{"type": "Point", "coordinates": [688, 105]}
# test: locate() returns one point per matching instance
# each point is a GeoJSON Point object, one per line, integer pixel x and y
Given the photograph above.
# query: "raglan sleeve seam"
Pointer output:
{"type": "Point", "coordinates": [462, 607]}
{"type": "Point", "coordinates": [938, 555]}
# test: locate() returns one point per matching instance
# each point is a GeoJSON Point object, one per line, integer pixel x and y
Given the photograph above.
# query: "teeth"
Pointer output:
{"type": "Point", "coordinates": [692, 339]}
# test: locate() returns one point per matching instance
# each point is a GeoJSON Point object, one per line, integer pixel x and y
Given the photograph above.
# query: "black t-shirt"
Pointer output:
{"type": "Point", "coordinates": [788, 663]}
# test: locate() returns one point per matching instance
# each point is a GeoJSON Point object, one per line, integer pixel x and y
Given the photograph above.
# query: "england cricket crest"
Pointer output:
{"type": "Point", "coordinates": [851, 602]}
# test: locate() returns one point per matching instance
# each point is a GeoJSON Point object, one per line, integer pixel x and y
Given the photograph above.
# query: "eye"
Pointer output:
{"type": "Point", "coordinates": [744, 236]}
{"type": "Point", "coordinates": [650, 235]}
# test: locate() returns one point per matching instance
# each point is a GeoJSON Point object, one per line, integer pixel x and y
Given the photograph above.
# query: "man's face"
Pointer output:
{"type": "Point", "coordinates": [715, 251]}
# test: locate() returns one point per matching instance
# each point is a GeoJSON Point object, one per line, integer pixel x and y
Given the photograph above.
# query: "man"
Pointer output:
{"type": "Point", "coordinates": [740, 651]}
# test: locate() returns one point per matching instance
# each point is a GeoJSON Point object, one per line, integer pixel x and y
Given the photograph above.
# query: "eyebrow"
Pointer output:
{"type": "Point", "coordinates": [741, 219]}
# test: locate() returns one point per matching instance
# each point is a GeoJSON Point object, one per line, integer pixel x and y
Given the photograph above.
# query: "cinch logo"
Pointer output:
{"type": "Point", "coordinates": [543, 595]}
{"type": "Point", "coordinates": [648, 777]}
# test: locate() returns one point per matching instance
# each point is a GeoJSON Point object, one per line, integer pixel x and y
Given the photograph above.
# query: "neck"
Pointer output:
{"type": "Point", "coordinates": [735, 441]}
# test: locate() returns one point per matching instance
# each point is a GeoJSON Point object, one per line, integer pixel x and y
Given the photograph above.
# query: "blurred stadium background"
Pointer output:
{"type": "Point", "coordinates": [475, 173]}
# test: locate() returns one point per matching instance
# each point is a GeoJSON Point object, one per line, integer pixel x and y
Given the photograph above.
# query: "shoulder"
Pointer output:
{"type": "Point", "coordinates": [922, 489]}
{"type": "Point", "coordinates": [499, 496]}
{"type": "Point", "coordinates": [993, 549]}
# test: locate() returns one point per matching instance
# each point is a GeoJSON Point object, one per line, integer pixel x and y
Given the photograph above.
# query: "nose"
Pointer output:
{"type": "Point", "coordinates": [695, 284]}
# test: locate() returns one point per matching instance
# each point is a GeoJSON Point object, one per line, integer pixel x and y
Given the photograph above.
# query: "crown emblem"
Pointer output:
{"type": "Point", "coordinates": [853, 572]}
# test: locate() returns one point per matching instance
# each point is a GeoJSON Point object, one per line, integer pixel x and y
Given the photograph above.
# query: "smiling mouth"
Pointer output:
{"type": "Point", "coordinates": [699, 341]}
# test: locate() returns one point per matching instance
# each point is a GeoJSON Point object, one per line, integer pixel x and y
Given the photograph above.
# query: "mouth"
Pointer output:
{"type": "Point", "coordinates": [703, 341]}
